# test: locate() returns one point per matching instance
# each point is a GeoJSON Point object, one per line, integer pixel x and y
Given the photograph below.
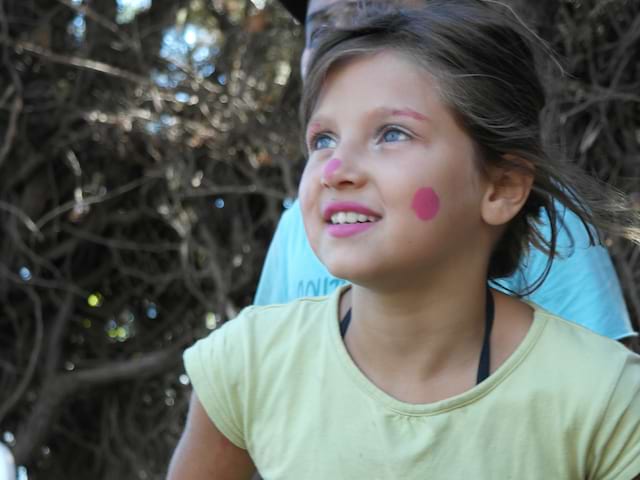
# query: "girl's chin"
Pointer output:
{"type": "Point", "coordinates": [339, 270]}
{"type": "Point", "coordinates": [351, 272]}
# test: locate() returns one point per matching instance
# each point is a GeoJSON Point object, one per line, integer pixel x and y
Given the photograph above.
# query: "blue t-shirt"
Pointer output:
{"type": "Point", "coordinates": [582, 285]}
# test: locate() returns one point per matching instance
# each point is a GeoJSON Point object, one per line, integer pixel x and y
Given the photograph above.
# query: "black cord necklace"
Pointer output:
{"type": "Point", "coordinates": [485, 355]}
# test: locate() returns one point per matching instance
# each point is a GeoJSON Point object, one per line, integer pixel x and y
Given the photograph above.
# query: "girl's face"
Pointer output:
{"type": "Point", "coordinates": [390, 192]}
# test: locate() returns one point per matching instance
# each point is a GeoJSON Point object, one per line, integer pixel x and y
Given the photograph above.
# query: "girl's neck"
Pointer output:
{"type": "Point", "coordinates": [428, 337]}
{"type": "Point", "coordinates": [422, 345]}
{"type": "Point", "coordinates": [412, 318]}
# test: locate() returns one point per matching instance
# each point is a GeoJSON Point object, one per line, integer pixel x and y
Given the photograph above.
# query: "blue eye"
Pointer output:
{"type": "Point", "coordinates": [322, 141]}
{"type": "Point", "coordinates": [394, 135]}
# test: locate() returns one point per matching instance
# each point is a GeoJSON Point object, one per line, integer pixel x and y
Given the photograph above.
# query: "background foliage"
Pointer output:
{"type": "Point", "coordinates": [147, 149]}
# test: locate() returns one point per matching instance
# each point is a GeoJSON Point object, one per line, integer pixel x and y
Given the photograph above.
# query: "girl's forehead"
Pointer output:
{"type": "Point", "coordinates": [384, 79]}
{"type": "Point", "coordinates": [389, 66]}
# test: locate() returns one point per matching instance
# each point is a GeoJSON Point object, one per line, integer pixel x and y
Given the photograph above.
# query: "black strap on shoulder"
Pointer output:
{"type": "Point", "coordinates": [344, 323]}
{"type": "Point", "coordinates": [485, 355]}
{"type": "Point", "coordinates": [484, 364]}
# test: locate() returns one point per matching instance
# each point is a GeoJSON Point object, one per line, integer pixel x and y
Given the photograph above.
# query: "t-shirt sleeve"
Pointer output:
{"type": "Point", "coordinates": [216, 368]}
{"type": "Point", "coordinates": [615, 453]}
{"type": "Point", "coordinates": [582, 286]}
{"type": "Point", "coordinates": [272, 286]}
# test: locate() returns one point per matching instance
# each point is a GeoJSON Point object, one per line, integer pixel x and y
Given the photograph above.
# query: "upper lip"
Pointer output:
{"type": "Point", "coordinates": [337, 207]}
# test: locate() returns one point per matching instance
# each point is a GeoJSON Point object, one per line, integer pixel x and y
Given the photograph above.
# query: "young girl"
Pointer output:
{"type": "Point", "coordinates": [424, 181]}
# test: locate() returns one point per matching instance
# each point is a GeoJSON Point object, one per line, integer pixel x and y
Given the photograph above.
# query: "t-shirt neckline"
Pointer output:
{"type": "Point", "coordinates": [458, 401]}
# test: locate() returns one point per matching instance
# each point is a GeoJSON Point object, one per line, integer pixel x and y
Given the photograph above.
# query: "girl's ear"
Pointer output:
{"type": "Point", "coordinates": [507, 191]}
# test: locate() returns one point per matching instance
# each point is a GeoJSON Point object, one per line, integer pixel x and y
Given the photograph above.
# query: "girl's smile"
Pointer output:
{"type": "Point", "coordinates": [345, 219]}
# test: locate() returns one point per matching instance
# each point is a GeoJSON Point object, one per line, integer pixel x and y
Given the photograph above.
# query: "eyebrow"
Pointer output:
{"type": "Point", "coordinates": [313, 126]}
{"type": "Point", "coordinates": [316, 122]}
{"type": "Point", "coordinates": [402, 112]}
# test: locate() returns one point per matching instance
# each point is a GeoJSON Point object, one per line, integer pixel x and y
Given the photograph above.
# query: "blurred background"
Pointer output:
{"type": "Point", "coordinates": [147, 149]}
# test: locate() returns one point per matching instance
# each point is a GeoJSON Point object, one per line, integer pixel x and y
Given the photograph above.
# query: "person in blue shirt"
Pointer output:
{"type": "Point", "coordinates": [581, 286]}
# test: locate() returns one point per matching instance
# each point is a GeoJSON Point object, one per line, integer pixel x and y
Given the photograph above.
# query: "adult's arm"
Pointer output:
{"type": "Point", "coordinates": [204, 453]}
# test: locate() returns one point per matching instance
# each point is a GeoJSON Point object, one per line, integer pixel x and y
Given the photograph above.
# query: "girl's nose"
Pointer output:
{"type": "Point", "coordinates": [341, 174]}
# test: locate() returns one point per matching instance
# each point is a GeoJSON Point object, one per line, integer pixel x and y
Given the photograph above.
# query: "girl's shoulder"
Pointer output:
{"type": "Point", "coordinates": [564, 339]}
{"type": "Point", "coordinates": [578, 358]}
{"type": "Point", "coordinates": [579, 387]}
{"type": "Point", "coordinates": [262, 330]}
{"type": "Point", "coordinates": [559, 354]}
{"type": "Point", "coordinates": [578, 340]}
{"type": "Point", "coordinates": [302, 313]}
{"type": "Point", "coordinates": [266, 339]}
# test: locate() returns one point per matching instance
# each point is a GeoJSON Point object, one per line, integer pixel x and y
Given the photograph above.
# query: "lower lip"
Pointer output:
{"type": "Point", "coordinates": [348, 229]}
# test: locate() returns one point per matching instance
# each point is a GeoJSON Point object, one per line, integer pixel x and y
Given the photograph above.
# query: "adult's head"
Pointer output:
{"type": "Point", "coordinates": [484, 65]}
{"type": "Point", "coordinates": [319, 16]}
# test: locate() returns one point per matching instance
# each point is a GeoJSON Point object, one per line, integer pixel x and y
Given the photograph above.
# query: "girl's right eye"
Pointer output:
{"type": "Point", "coordinates": [322, 141]}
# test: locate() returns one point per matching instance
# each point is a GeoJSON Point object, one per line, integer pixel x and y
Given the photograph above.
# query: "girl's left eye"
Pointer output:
{"type": "Point", "coordinates": [394, 135]}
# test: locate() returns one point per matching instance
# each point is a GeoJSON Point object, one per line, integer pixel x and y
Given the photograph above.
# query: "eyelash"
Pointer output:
{"type": "Point", "coordinates": [379, 134]}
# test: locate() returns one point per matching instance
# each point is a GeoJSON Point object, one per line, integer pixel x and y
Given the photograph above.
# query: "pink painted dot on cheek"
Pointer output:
{"type": "Point", "coordinates": [331, 167]}
{"type": "Point", "coordinates": [426, 204]}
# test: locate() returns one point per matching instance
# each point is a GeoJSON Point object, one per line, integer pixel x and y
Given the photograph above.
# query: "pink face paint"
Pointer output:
{"type": "Point", "coordinates": [330, 168]}
{"type": "Point", "coordinates": [426, 204]}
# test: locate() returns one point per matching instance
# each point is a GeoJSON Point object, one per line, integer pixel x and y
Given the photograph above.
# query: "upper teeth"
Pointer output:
{"type": "Point", "coordinates": [351, 217]}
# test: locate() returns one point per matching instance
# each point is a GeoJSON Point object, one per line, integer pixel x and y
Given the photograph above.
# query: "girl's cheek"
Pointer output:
{"type": "Point", "coordinates": [309, 186]}
{"type": "Point", "coordinates": [426, 204]}
{"type": "Point", "coordinates": [304, 183]}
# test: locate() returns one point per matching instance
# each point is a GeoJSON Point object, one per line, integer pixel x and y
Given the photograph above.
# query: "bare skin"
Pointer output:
{"type": "Point", "coordinates": [204, 453]}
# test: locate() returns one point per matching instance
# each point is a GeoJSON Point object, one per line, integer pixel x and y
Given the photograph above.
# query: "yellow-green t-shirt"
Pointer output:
{"type": "Point", "coordinates": [279, 382]}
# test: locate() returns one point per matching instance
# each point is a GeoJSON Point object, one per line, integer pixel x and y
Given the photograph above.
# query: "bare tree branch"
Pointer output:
{"type": "Point", "coordinates": [27, 377]}
{"type": "Point", "coordinates": [74, 61]}
{"type": "Point", "coordinates": [60, 387]}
